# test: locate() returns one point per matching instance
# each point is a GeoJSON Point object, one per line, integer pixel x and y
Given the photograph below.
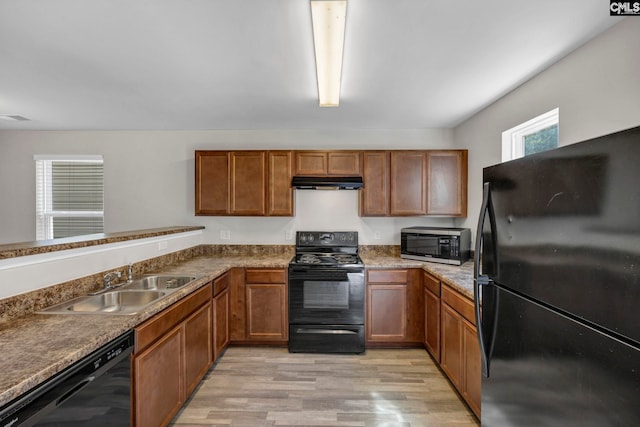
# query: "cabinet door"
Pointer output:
{"type": "Point", "coordinates": [432, 323]}
{"type": "Point", "coordinates": [237, 305]}
{"type": "Point", "coordinates": [212, 183]}
{"type": "Point", "coordinates": [158, 381]}
{"type": "Point", "coordinates": [472, 386]}
{"type": "Point", "coordinates": [311, 163]}
{"type": "Point", "coordinates": [266, 312]}
{"type": "Point", "coordinates": [386, 312]}
{"type": "Point", "coordinates": [452, 345]}
{"type": "Point", "coordinates": [374, 197]}
{"type": "Point", "coordinates": [197, 340]}
{"type": "Point", "coordinates": [431, 315]}
{"type": "Point", "coordinates": [447, 183]}
{"type": "Point", "coordinates": [221, 323]}
{"type": "Point", "coordinates": [343, 163]}
{"type": "Point", "coordinates": [248, 183]}
{"type": "Point", "coordinates": [280, 192]}
{"type": "Point", "coordinates": [408, 183]}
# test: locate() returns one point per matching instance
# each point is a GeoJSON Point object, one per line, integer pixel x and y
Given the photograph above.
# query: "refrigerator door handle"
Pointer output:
{"type": "Point", "coordinates": [481, 280]}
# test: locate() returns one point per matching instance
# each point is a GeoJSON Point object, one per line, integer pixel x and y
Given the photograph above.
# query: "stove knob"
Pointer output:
{"type": "Point", "coordinates": [343, 237]}
{"type": "Point", "coordinates": [303, 238]}
{"type": "Point", "coordinates": [311, 238]}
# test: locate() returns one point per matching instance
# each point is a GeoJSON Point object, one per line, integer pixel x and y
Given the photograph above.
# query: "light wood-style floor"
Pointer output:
{"type": "Point", "coordinates": [256, 386]}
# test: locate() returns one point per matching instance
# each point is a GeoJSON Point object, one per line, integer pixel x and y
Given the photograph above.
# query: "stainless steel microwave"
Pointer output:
{"type": "Point", "coordinates": [436, 244]}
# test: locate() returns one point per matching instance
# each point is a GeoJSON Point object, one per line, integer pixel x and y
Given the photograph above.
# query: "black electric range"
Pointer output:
{"type": "Point", "coordinates": [326, 293]}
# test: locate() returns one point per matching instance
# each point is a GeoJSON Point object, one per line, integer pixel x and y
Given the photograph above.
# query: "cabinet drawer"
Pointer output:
{"type": "Point", "coordinates": [159, 324]}
{"type": "Point", "coordinates": [431, 283]}
{"type": "Point", "coordinates": [220, 284]}
{"type": "Point", "coordinates": [266, 276]}
{"type": "Point", "coordinates": [459, 303]}
{"type": "Point", "coordinates": [387, 276]}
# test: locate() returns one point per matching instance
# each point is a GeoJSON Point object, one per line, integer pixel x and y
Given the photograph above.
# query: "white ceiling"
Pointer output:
{"type": "Point", "coordinates": [248, 64]}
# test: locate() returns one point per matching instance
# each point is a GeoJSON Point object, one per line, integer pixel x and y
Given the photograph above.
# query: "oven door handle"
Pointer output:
{"type": "Point", "coordinates": [305, 271]}
{"type": "Point", "coordinates": [326, 331]}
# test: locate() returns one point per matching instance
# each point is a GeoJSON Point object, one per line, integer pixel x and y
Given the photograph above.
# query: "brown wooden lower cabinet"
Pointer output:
{"type": "Point", "coordinates": [221, 323]}
{"type": "Point", "coordinates": [258, 302]}
{"type": "Point", "coordinates": [173, 351]}
{"type": "Point", "coordinates": [221, 308]}
{"type": "Point", "coordinates": [452, 347]}
{"type": "Point", "coordinates": [387, 312]}
{"type": "Point", "coordinates": [394, 308]}
{"type": "Point", "coordinates": [175, 348]}
{"type": "Point", "coordinates": [159, 381]}
{"type": "Point", "coordinates": [472, 371]}
{"type": "Point", "coordinates": [460, 353]}
{"type": "Point", "coordinates": [197, 347]}
{"type": "Point", "coordinates": [432, 315]}
{"type": "Point", "coordinates": [266, 312]}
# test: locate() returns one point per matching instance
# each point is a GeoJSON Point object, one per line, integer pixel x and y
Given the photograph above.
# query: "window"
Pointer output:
{"type": "Point", "coordinates": [536, 135]}
{"type": "Point", "coordinates": [69, 196]}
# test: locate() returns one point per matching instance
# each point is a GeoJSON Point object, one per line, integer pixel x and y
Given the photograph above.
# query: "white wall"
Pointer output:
{"type": "Point", "coordinates": [596, 87]}
{"type": "Point", "coordinates": [149, 180]}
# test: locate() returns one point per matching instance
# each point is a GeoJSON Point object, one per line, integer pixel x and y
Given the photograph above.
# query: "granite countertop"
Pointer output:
{"type": "Point", "coordinates": [38, 346]}
{"type": "Point", "coordinates": [459, 277]}
{"type": "Point", "coordinates": [12, 250]}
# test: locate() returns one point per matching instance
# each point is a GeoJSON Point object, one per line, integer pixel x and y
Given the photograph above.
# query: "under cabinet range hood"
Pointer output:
{"type": "Point", "coordinates": [327, 182]}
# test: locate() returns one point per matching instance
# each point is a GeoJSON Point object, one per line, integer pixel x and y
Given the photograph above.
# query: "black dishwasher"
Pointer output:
{"type": "Point", "coordinates": [95, 391]}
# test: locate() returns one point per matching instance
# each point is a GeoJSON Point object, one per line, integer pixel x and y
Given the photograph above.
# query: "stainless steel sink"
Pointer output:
{"type": "Point", "coordinates": [160, 282]}
{"type": "Point", "coordinates": [115, 302]}
{"type": "Point", "coordinates": [129, 298]}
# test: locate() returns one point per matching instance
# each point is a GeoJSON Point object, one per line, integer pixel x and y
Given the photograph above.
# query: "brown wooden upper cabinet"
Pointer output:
{"type": "Point", "coordinates": [408, 183]}
{"type": "Point", "coordinates": [374, 197]}
{"type": "Point", "coordinates": [280, 196]}
{"type": "Point", "coordinates": [212, 183]}
{"type": "Point", "coordinates": [414, 182]}
{"type": "Point", "coordinates": [321, 163]}
{"type": "Point", "coordinates": [396, 182]}
{"type": "Point", "coordinates": [243, 183]}
{"type": "Point", "coordinates": [247, 179]}
{"type": "Point", "coordinates": [447, 183]}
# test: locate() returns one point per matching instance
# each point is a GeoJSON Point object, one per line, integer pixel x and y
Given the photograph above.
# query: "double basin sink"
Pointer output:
{"type": "Point", "coordinates": [129, 298]}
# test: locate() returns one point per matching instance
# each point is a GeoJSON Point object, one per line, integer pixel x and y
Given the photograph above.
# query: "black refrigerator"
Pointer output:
{"type": "Point", "coordinates": [557, 286]}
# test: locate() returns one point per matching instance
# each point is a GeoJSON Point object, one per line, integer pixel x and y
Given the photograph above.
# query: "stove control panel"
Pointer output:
{"type": "Point", "coordinates": [327, 238]}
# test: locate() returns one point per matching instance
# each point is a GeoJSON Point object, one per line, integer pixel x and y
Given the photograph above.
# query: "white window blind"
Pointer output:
{"type": "Point", "coordinates": [69, 196]}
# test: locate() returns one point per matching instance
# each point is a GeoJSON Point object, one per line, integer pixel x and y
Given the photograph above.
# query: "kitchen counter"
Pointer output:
{"type": "Point", "coordinates": [13, 250]}
{"type": "Point", "coordinates": [458, 277]}
{"type": "Point", "coordinates": [38, 346]}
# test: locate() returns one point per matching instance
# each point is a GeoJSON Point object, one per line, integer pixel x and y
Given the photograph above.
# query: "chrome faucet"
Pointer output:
{"type": "Point", "coordinates": [110, 277]}
{"type": "Point", "coordinates": [130, 273]}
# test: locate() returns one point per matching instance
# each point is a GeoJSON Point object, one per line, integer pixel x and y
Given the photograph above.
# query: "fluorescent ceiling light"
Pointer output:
{"type": "Point", "coordinates": [328, 38]}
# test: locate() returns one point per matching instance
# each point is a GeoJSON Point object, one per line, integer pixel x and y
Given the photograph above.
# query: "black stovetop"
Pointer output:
{"type": "Point", "coordinates": [327, 248]}
{"type": "Point", "coordinates": [333, 259]}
